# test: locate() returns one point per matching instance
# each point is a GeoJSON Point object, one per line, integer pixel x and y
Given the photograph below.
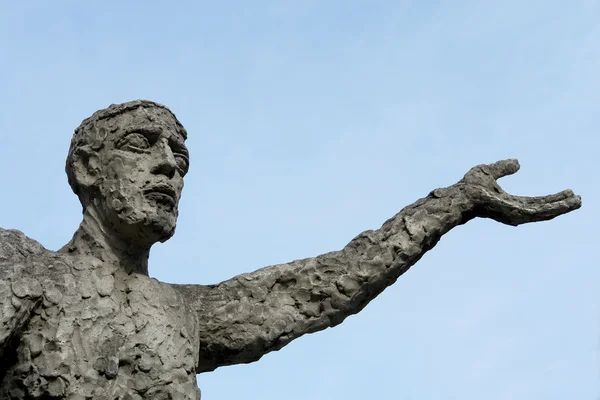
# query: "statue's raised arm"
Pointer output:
{"type": "Point", "coordinates": [252, 314]}
{"type": "Point", "coordinates": [87, 322]}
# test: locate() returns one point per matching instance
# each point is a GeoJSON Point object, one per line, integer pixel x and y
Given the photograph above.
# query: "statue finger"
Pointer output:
{"type": "Point", "coordinates": [551, 210]}
{"type": "Point", "coordinates": [503, 168]}
{"type": "Point", "coordinates": [552, 198]}
{"type": "Point", "coordinates": [514, 211]}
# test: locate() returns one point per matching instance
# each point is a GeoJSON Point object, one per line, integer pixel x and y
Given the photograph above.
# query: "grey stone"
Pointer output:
{"type": "Point", "coordinates": [86, 322]}
{"type": "Point", "coordinates": [105, 285]}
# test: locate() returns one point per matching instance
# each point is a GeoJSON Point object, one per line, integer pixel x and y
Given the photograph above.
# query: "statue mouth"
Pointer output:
{"type": "Point", "coordinates": [162, 194]}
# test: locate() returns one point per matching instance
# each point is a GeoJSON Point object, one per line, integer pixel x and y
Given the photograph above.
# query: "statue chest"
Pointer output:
{"type": "Point", "coordinates": [107, 335]}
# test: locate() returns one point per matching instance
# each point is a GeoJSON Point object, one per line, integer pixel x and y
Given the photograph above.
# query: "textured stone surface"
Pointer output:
{"type": "Point", "coordinates": [87, 322]}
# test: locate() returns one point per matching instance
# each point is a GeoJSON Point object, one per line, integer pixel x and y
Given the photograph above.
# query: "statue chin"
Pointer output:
{"type": "Point", "coordinates": [142, 227]}
{"type": "Point", "coordinates": [151, 229]}
{"type": "Point", "coordinates": [162, 230]}
{"type": "Point", "coordinates": [162, 223]}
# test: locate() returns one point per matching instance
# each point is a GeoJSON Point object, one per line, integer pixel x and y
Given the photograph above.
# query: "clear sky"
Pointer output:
{"type": "Point", "coordinates": [311, 121]}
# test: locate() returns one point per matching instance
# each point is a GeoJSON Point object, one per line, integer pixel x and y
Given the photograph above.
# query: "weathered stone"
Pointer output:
{"type": "Point", "coordinates": [86, 288]}
{"type": "Point", "coordinates": [100, 364]}
{"type": "Point", "coordinates": [105, 285]}
{"type": "Point", "coordinates": [35, 344]}
{"type": "Point", "coordinates": [26, 287]}
{"type": "Point", "coordinates": [56, 388]}
{"type": "Point", "coordinates": [51, 293]}
{"type": "Point", "coordinates": [112, 368]}
{"type": "Point", "coordinates": [91, 324]}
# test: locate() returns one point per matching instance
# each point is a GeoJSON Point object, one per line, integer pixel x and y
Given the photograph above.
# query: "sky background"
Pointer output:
{"type": "Point", "coordinates": [311, 121]}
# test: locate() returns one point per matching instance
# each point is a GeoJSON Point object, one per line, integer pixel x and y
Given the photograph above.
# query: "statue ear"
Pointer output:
{"type": "Point", "coordinates": [86, 167]}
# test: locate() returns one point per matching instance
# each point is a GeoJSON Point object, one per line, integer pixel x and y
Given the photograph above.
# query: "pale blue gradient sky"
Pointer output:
{"type": "Point", "coordinates": [311, 121]}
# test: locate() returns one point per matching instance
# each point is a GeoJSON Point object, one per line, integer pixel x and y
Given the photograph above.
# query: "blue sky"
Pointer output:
{"type": "Point", "coordinates": [311, 121]}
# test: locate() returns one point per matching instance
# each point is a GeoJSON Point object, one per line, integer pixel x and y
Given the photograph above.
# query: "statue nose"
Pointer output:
{"type": "Point", "coordinates": [166, 163]}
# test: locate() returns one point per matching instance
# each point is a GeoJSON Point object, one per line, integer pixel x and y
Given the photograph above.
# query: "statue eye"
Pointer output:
{"type": "Point", "coordinates": [134, 141]}
{"type": "Point", "coordinates": [183, 163]}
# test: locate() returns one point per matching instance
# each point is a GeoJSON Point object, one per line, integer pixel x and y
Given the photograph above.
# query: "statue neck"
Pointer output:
{"type": "Point", "coordinates": [94, 239]}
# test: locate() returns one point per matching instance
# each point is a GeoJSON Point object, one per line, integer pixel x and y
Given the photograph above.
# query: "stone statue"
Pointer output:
{"type": "Point", "coordinates": [86, 322]}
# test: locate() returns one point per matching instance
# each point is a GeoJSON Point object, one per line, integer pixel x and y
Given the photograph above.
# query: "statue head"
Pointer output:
{"type": "Point", "coordinates": [126, 164]}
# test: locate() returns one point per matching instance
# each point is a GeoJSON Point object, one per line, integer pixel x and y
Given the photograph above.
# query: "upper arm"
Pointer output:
{"type": "Point", "coordinates": [245, 317]}
{"type": "Point", "coordinates": [19, 292]}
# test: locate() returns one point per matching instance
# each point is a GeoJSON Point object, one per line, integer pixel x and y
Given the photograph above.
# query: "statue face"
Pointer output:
{"type": "Point", "coordinates": [142, 165]}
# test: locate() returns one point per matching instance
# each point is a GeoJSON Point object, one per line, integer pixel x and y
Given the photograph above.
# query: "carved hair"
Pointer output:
{"type": "Point", "coordinates": [93, 130]}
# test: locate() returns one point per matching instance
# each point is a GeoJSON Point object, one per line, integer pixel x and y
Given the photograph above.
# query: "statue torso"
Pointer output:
{"type": "Point", "coordinates": [101, 333]}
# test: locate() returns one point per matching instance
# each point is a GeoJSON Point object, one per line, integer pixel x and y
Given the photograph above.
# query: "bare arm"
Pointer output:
{"type": "Point", "coordinates": [19, 292]}
{"type": "Point", "coordinates": [252, 314]}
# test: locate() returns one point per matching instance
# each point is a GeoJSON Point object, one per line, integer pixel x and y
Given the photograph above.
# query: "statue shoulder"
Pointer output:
{"type": "Point", "coordinates": [16, 247]}
{"type": "Point", "coordinates": [20, 289]}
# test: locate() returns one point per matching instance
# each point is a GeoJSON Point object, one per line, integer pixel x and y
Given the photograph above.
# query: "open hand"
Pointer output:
{"type": "Point", "coordinates": [492, 202]}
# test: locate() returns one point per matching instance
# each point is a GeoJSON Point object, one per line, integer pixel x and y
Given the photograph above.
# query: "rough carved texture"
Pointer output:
{"type": "Point", "coordinates": [252, 314]}
{"type": "Point", "coordinates": [88, 329]}
{"type": "Point", "coordinates": [87, 322]}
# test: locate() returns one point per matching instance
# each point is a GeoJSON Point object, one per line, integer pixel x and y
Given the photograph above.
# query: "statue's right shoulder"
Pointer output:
{"type": "Point", "coordinates": [16, 247]}
{"type": "Point", "coordinates": [19, 290]}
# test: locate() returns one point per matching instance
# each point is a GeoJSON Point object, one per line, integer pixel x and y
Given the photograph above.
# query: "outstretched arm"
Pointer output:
{"type": "Point", "coordinates": [19, 292]}
{"type": "Point", "coordinates": [252, 314]}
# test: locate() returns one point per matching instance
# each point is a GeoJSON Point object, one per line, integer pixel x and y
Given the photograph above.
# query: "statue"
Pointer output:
{"type": "Point", "coordinates": [87, 322]}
